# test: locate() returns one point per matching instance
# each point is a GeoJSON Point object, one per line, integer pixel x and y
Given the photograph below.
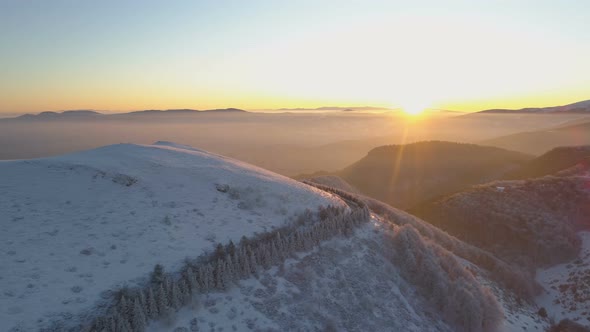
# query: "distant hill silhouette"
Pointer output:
{"type": "Point", "coordinates": [558, 159]}
{"type": "Point", "coordinates": [406, 175]}
{"type": "Point", "coordinates": [90, 114]}
{"type": "Point", "coordinates": [541, 141]}
{"type": "Point", "coordinates": [335, 108]}
{"type": "Point", "coordinates": [578, 107]}
{"type": "Point", "coordinates": [185, 111]}
{"type": "Point", "coordinates": [57, 115]}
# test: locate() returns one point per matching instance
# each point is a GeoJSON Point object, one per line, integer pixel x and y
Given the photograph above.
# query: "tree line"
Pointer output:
{"type": "Point", "coordinates": [130, 310]}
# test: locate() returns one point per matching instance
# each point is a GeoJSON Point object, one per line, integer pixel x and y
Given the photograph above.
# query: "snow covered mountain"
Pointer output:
{"type": "Point", "coordinates": [239, 248]}
{"type": "Point", "coordinates": [77, 225]}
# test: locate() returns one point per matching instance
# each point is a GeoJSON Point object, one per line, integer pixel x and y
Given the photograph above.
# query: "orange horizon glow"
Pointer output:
{"type": "Point", "coordinates": [415, 108]}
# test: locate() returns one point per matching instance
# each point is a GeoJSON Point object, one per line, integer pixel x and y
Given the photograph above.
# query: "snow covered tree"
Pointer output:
{"type": "Point", "coordinates": [139, 320]}
{"type": "Point", "coordinates": [174, 297]}
{"type": "Point", "coordinates": [184, 291]}
{"type": "Point", "coordinates": [219, 252]}
{"type": "Point", "coordinates": [112, 324]}
{"type": "Point", "coordinates": [124, 309]}
{"type": "Point", "coordinates": [161, 300]}
{"type": "Point", "coordinates": [122, 324]}
{"type": "Point", "coordinates": [151, 307]}
{"type": "Point", "coordinates": [192, 280]}
{"type": "Point", "coordinates": [231, 248]}
{"type": "Point", "coordinates": [219, 274]}
{"type": "Point", "coordinates": [157, 276]}
{"type": "Point", "coordinates": [230, 274]}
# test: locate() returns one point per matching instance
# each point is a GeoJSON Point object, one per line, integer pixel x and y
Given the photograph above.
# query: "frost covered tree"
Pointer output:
{"type": "Point", "coordinates": [219, 252]}
{"type": "Point", "coordinates": [192, 280]}
{"type": "Point", "coordinates": [161, 300]}
{"type": "Point", "coordinates": [220, 275]}
{"type": "Point", "coordinates": [125, 309]}
{"type": "Point", "coordinates": [231, 248]}
{"type": "Point", "coordinates": [151, 307]}
{"type": "Point", "coordinates": [157, 276]}
{"type": "Point", "coordinates": [122, 324]}
{"type": "Point", "coordinates": [174, 296]}
{"type": "Point", "coordinates": [139, 319]}
{"type": "Point", "coordinates": [184, 291]}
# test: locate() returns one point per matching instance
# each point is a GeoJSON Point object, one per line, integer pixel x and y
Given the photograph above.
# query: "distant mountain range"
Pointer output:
{"type": "Point", "coordinates": [337, 108]}
{"type": "Point", "coordinates": [58, 115]}
{"type": "Point", "coordinates": [91, 114]}
{"type": "Point", "coordinates": [582, 107]}
{"type": "Point", "coordinates": [579, 107]}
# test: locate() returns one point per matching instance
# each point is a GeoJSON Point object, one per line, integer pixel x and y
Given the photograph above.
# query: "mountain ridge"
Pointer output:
{"type": "Point", "coordinates": [80, 114]}
{"type": "Point", "coordinates": [577, 107]}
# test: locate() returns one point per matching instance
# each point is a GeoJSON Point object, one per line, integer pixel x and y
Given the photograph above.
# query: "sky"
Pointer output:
{"type": "Point", "coordinates": [129, 55]}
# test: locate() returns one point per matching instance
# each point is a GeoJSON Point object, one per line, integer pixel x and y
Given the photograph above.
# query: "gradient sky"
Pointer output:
{"type": "Point", "coordinates": [125, 55]}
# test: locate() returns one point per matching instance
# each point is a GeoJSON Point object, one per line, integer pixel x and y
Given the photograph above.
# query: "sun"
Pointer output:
{"type": "Point", "coordinates": [413, 107]}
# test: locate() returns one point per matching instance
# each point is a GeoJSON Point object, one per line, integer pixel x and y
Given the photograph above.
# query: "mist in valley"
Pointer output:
{"type": "Point", "coordinates": [287, 143]}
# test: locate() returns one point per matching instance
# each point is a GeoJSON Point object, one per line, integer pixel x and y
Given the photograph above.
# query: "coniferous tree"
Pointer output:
{"type": "Point", "coordinates": [161, 300]}
{"type": "Point", "coordinates": [229, 271]}
{"type": "Point", "coordinates": [151, 307]}
{"type": "Point", "coordinates": [141, 296]}
{"type": "Point", "coordinates": [246, 269]}
{"type": "Point", "coordinates": [139, 319]}
{"type": "Point", "coordinates": [231, 248]}
{"type": "Point", "coordinates": [192, 280]}
{"type": "Point", "coordinates": [209, 281]}
{"type": "Point", "coordinates": [184, 292]}
{"type": "Point", "coordinates": [219, 251]}
{"type": "Point", "coordinates": [202, 276]}
{"type": "Point", "coordinates": [253, 263]}
{"type": "Point", "coordinates": [112, 324]}
{"type": "Point", "coordinates": [219, 275]}
{"type": "Point", "coordinates": [124, 308]}
{"type": "Point", "coordinates": [123, 324]}
{"type": "Point", "coordinates": [157, 276]}
{"type": "Point", "coordinates": [236, 269]}
{"type": "Point", "coordinates": [174, 297]}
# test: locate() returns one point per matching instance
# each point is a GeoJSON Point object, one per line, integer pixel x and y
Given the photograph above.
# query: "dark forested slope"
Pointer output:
{"type": "Point", "coordinates": [406, 175]}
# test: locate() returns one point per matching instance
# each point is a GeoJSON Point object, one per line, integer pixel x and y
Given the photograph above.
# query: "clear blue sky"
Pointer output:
{"type": "Point", "coordinates": [122, 55]}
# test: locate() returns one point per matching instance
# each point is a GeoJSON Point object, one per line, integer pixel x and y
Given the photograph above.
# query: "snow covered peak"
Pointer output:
{"type": "Point", "coordinates": [76, 225]}
{"type": "Point", "coordinates": [179, 163]}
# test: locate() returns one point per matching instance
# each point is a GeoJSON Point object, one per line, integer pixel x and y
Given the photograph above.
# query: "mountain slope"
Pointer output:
{"type": "Point", "coordinates": [370, 281]}
{"type": "Point", "coordinates": [531, 223]}
{"type": "Point", "coordinates": [552, 162]}
{"type": "Point", "coordinates": [540, 225]}
{"type": "Point", "coordinates": [76, 225]}
{"type": "Point", "coordinates": [406, 175]}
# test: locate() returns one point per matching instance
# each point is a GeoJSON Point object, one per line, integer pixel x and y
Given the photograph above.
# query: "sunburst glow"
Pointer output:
{"type": "Point", "coordinates": [414, 107]}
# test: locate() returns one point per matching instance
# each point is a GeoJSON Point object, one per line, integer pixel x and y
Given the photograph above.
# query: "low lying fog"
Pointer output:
{"type": "Point", "coordinates": [287, 143]}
